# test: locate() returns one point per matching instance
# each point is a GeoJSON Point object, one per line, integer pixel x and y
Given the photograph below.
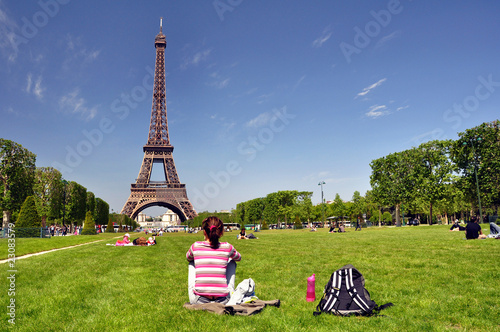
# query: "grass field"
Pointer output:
{"type": "Point", "coordinates": [436, 280]}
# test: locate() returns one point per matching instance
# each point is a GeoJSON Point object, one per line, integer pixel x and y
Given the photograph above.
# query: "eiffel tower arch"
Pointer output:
{"type": "Point", "coordinates": [170, 193]}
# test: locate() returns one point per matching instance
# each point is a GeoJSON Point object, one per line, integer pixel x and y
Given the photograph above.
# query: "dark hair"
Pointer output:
{"type": "Point", "coordinates": [214, 228]}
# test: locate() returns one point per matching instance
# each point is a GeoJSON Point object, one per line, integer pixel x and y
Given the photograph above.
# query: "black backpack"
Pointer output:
{"type": "Point", "coordinates": [345, 294]}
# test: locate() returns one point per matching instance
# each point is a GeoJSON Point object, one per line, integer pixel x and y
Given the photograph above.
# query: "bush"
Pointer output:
{"type": "Point", "coordinates": [387, 217]}
{"type": "Point", "coordinates": [89, 227]}
{"type": "Point", "coordinates": [27, 232]}
{"type": "Point", "coordinates": [28, 216]}
{"type": "Point", "coordinates": [264, 225]}
{"type": "Point", "coordinates": [297, 224]}
{"type": "Point", "coordinates": [111, 227]}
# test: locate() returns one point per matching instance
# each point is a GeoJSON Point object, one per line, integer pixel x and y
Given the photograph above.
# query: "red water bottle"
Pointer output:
{"type": "Point", "coordinates": [311, 288]}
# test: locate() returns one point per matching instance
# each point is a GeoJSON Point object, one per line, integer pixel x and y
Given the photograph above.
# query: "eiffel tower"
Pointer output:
{"type": "Point", "coordinates": [169, 193]}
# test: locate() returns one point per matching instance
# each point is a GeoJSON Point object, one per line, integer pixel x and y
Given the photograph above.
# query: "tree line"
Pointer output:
{"type": "Point", "coordinates": [437, 179]}
{"type": "Point", "coordinates": [49, 198]}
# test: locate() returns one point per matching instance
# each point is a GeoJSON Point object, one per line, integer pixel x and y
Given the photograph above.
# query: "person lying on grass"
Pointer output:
{"type": "Point", "coordinates": [125, 241]}
{"type": "Point", "coordinates": [456, 226]}
{"type": "Point", "coordinates": [212, 265]}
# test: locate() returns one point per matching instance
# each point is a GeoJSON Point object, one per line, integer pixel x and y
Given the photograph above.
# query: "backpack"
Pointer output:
{"type": "Point", "coordinates": [345, 294]}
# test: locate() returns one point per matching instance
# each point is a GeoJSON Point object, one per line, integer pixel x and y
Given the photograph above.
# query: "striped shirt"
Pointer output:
{"type": "Point", "coordinates": [210, 265]}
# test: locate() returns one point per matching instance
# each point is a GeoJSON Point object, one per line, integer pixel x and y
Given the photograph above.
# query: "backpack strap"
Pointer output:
{"type": "Point", "coordinates": [330, 296]}
{"type": "Point", "coordinates": [335, 291]}
{"type": "Point", "coordinates": [354, 293]}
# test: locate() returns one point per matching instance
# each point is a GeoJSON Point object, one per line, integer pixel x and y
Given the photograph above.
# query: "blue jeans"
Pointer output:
{"type": "Point", "coordinates": [230, 277]}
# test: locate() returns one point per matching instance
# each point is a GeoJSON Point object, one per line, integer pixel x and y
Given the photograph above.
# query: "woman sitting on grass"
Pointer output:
{"type": "Point", "coordinates": [242, 235]}
{"type": "Point", "coordinates": [212, 265]}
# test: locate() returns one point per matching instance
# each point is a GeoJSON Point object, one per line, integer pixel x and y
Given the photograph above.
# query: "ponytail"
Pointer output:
{"type": "Point", "coordinates": [214, 228]}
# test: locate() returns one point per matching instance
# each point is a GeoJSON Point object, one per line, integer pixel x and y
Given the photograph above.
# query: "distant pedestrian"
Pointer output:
{"type": "Point", "coordinates": [358, 225]}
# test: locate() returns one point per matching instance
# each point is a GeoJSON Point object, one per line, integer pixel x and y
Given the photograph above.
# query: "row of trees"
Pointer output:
{"type": "Point", "coordinates": [56, 200]}
{"type": "Point", "coordinates": [282, 207]}
{"type": "Point", "coordinates": [452, 176]}
{"type": "Point", "coordinates": [437, 178]}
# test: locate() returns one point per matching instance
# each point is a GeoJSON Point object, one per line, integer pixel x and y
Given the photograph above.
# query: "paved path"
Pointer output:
{"type": "Point", "coordinates": [47, 251]}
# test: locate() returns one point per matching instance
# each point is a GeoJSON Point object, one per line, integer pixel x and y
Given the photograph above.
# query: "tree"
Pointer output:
{"type": "Point", "coordinates": [394, 179]}
{"type": "Point", "coordinates": [28, 216]}
{"type": "Point", "coordinates": [271, 204]}
{"type": "Point", "coordinates": [110, 228]}
{"type": "Point", "coordinates": [253, 210]}
{"type": "Point", "coordinates": [89, 226]}
{"type": "Point", "coordinates": [47, 192]}
{"type": "Point", "coordinates": [297, 224]}
{"type": "Point", "coordinates": [77, 202]}
{"type": "Point", "coordinates": [338, 207]}
{"type": "Point", "coordinates": [265, 225]}
{"type": "Point", "coordinates": [358, 205]}
{"type": "Point", "coordinates": [240, 213]}
{"type": "Point", "coordinates": [477, 152]}
{"type": "Point", "coordinates": [387, 217]}
{"type": "Point", "coordinates": [17, 171]}
{"type": "Point", "coordinates": [101, 212]}
{"type": "Point", "coordinates": [91, 203]}
{"type": "Point", "coordinates": [434, 173]}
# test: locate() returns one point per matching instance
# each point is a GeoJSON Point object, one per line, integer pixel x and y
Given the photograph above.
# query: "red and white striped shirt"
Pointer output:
{"type": "Point", "coordinates": [210, 265]}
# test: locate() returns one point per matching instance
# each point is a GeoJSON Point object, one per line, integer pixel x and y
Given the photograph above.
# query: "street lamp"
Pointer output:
{"type": "Point", "coordinates": [321, 183]}
{"type": "Point", "coordinates": [471, 142]}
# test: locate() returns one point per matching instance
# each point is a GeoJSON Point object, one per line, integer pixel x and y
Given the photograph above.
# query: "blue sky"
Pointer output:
{"type": "Point", "coordinates": [261, 95]}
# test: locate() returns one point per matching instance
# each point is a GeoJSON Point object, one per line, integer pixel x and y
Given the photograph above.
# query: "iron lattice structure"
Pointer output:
{"type": "Point", "coordinates": [169, 193]}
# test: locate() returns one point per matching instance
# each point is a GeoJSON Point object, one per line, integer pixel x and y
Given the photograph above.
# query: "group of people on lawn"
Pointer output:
{"type": "Point", "coordinates": [212, 263]}
{"type": "Point", "coordinates": [473, 229]}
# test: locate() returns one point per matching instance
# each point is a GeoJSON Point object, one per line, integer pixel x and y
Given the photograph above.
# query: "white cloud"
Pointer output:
{"type": "Point", "coordinates": [38, 90]}
{"type": "Point", "coordinates": [196, 58]}
{"type": "Point", "coordinates": [75, 104]}
{"type": "Point", "coordinates": [376, 111]}
{"type": "Point", "coordinates": [327, 33]}
{"type": "Point", "coordinates": [298, 82]}
{"type": "Point", "coordinates": [263, 98]}
{"type": "Point", "coordinates": [28, 83]}
{"type": "Point", "coordinates": [218, 82]}
{"type": "Point", "coordinates": [371, 87]}
{"type": "Point", "coordinates": [387, 38]}
{"type": "Point", "coordinates": [260, 120]}
{"type": "Point", "coordinates": [9, 40]}
{"type": "Point", "coordinates": [402, 108]}
{"type": "Point", "coordinates": [12, 111]}
{"type": "Point", "coordinates": [77, 53]}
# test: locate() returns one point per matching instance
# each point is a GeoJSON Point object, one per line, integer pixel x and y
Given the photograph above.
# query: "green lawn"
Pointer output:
{"type": "Point", "coordinates": [436, 280]}
{"type": "Point", "coordinates": [30, 245]}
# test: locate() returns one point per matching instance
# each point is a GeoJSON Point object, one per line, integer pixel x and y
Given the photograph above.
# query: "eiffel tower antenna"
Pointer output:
{"type": "Point", "coordinates": [170, 193]}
